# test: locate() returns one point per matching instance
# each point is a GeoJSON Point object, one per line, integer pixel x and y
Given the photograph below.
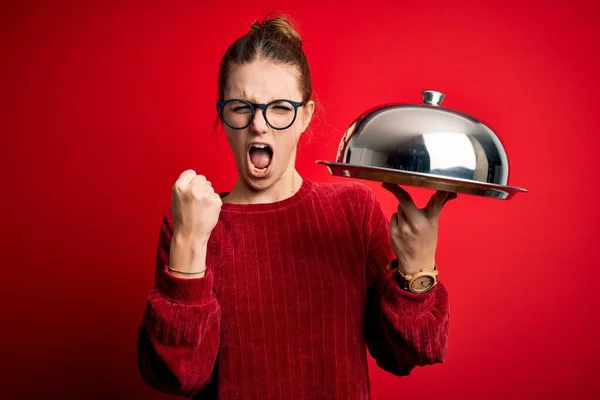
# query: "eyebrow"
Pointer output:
{"type": "Point", "coordinates": [245, 96]}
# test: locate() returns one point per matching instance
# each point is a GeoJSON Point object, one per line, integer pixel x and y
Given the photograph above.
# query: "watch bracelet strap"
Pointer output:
{"type": "Point", "coordinates": [405, 282]}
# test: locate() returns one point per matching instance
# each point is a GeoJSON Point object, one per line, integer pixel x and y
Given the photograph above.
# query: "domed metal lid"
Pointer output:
{"type": "Point", "coordinates": [424, 145]}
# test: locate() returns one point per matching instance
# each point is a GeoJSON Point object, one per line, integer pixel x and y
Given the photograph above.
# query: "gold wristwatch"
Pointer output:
{"type": "Point", "coordinates": [421, 281]}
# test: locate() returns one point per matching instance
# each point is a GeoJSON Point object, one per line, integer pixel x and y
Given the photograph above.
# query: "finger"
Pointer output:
{"type": "Point", "coordinates": [217, 199]}
{"type": "Point", "coordinates": [207, 189]}
{"type": "Point", "coordinates": [405, 200]}
{"type": "Point", "coordinates": [394, 220]}
{"type": "Point", "coordinates": [199, 180]}
{"type": "Point", "coordinates": [437, 202]}
{"type": "Point", "coordinates": [187, 175]}
{"type": "Point", "coordinates": [394, 227]}
{"type": "Point", "coordinates": [202, 192]}
{"type": "Point", "coordinates": [182, 183]}
{"type": "Point", "coordinates": [401, 215]}
{"type": "Point", "coordinates": [451, 196]}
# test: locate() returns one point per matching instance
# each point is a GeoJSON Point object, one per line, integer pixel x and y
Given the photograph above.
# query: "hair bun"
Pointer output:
{"type": "Point", "coordinates": [274, 39]}
{"type": "Point", "coordinates": [276, 25]}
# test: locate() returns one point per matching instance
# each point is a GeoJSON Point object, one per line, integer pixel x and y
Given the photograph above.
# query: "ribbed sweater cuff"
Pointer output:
{"type": "Point", "coordinates": [196, 291]}
{"type": "Point", "coordinates": [405, 303]}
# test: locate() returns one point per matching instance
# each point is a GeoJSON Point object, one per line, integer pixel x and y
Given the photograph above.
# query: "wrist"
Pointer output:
{"type": "Point", "coordinates": [411, 267]}
{"type": "Point", "coordinates": [417, 281]}
{"type": "Point", "coordinates": [189, 240]}
{"type": "Point", "coordinates": [187, 275]}
{"type": "Point", "coordinates": [188, 256]}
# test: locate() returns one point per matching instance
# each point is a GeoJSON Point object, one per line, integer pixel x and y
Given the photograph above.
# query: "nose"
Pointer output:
{"type": "Point", "coordinates": [259, 125]}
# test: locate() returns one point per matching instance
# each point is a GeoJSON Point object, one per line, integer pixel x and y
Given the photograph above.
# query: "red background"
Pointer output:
{"type": "Point", "coordinates": [103, 105]}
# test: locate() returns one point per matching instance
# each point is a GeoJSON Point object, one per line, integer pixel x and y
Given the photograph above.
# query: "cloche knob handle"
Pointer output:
{"type": "Point", "coordinates": [432, 97]}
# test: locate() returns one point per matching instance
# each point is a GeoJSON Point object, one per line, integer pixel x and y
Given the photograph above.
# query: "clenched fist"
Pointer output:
{"type": "Point", "coordinates": [195, 206]}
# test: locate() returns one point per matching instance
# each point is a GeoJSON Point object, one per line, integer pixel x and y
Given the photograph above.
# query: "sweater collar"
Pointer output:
{"type": "Point", "coordinates": [305, 188]}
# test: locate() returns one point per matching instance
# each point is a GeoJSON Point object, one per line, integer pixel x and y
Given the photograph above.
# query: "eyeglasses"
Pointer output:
{"type": "Point", "coordinates": [238, 114]}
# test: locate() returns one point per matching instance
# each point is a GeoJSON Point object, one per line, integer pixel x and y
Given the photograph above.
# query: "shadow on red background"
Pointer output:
{"type": "Point", "coordinates": [103, 105]}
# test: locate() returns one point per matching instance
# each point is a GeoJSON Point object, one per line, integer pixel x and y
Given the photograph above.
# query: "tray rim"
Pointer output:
{"type": "Point", "coordinates": [484, 185]}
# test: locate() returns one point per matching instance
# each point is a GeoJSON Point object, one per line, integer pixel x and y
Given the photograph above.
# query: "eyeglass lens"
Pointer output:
{"type": "Point", "coordinates": [238, 114]}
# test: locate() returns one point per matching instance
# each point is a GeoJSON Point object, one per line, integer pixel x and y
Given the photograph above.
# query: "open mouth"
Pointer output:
{"type": "Point", "coordinates": [260, 157]}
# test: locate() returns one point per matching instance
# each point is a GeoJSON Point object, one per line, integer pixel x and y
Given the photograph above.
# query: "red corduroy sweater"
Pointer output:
{"type": "Point", "coordinates": [295, 293]}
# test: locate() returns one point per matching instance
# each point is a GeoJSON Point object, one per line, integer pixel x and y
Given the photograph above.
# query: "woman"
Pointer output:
{"type": "Point", "coordinates": [276, 289]}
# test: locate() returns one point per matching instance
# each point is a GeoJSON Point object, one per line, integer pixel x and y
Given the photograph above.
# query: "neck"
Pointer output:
{"type": "Point", "coordinates": [286, 186]}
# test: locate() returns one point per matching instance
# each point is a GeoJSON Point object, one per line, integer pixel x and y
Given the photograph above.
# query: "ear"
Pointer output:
{"type": "Point", "coordinates": [307, 114]}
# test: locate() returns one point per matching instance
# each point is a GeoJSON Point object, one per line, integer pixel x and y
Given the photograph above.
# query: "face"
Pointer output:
{"type": "Point", "coordinates": [262, 154]}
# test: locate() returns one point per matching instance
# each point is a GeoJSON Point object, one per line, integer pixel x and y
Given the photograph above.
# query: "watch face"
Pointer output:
{"type": "Point", "coordinates": [422, 284]}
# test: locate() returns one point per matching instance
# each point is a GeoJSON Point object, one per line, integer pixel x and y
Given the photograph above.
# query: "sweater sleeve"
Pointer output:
{"type": "Point", "coordinates": [179, 337]}
{"type": "Point", "coordinates": [403, 330]}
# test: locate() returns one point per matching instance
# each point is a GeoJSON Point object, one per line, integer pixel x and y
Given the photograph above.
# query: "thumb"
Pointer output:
{"type": "Point", "coordinates": [437, 202]}
{"type": "Point", "coordinates": [451, 196]}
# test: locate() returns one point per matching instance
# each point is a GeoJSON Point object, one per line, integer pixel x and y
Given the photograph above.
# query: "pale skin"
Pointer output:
{"type": "Point", "coordinates": [196, 206]}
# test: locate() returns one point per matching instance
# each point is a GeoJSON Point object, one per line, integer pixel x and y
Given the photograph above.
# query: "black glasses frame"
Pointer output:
{"type": "Point", "coordinates": [261, 106]}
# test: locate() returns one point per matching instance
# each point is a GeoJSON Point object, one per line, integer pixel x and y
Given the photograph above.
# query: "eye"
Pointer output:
{"type": "Point", "coordinates": [281, 107]}
{"type": "Point", "coordinates": [241, 109]}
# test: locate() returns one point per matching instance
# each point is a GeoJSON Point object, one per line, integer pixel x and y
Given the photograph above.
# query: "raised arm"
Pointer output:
{"type": "Point", "coordinates": [179, 336]}
{"type": "Point", "coordinates": [402, 329]}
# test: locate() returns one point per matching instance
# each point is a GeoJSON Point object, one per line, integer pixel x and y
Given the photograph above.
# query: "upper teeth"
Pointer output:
{"type": "Point", "coordinates": [260, 146]}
